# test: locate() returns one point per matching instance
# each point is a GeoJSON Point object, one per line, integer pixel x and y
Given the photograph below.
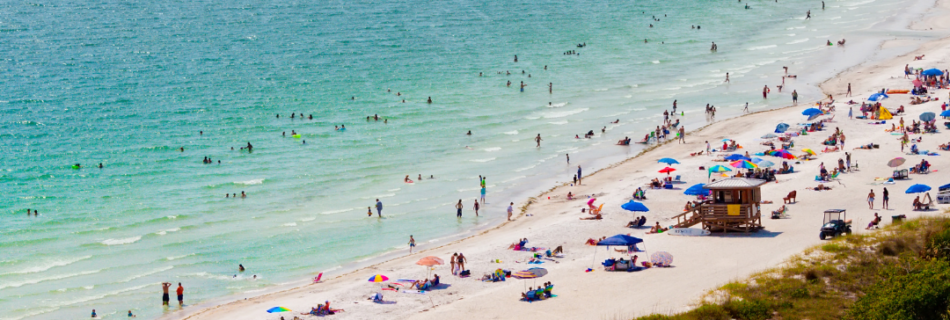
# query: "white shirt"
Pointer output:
{"type": "Point", "coordinates": [509, 209]}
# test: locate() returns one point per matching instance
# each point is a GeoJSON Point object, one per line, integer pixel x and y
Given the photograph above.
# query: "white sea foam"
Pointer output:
{"type": "Point", "coordinates": [798, 41]}
{"type": "Point", "coordinates": [565, 113]}
{"type": "Point", "coordinates": [22, 282]}
{"type": "Point", "coordinates": [148, 273]}
{"type": "Point", "coordinates": [337, 211]}
{"type": "Point", "coordinates": [250, 182]}
{"type": "Point", "coordinates": [762, 47]}
{"type": "Point", "coordinates": [558, 123]}
{"type": "Point", "coordinates": [291, 224]}
{"type": "Point", "coordinates": [492, 149]}
{"type": "Point", "coordinates": [308, 219]}
{"type": "Point", "coordinates": [511, 133]}
{"type": "Point", "coordinates": [655, 61]}
{"type": "Point", "coordinates": [51, 264]}
{"type": "Point", "coordinates": [179, 257]}
{"type": "Point", "coordinates": [557, 105]}
{"type": "Point", "coordinates": [115, 242]}
{"type": "Point", "coordinates": [482, 160]}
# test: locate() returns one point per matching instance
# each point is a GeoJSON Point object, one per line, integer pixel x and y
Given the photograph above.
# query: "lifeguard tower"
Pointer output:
{"type": "Point", "coordinates": [733, 206]}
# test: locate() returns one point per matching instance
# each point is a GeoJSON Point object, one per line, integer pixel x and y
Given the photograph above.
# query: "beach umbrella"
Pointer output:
{"type": "Point", "coordinates": [808, 151]}
{"type": "Point", "coordinates": [811, 112]}
{"type": "Point", "coordinates": [878, 97]}
{"type": "Point", "coordinates": [668, 161]}
{"type": "Point", "coordinates": [736, 157]}
{"type": "Point", "coordinates": [661, 258]}
{"type": "Point", "coordinates": [667, 170]}
{"type": "Point", "coordinates": [696, 190]}
{"type": "Point", "coordinates": [781, 127]}
{"type": "Point", "coordinates": [430, 261]}
{"type": "Point", "coordinates": [765, 164]}
{"type": "Point", "coordinates": [538, 272]}
{"type": "Point", "coordinates": [524, 275]}
{"type": "Point", "coordinates": [620, 240]}
{"type": "Point", "coordinates": [944, 187]}
{"type": "Point", "coordinates": [918, 83]}
{"type": "Point", "coordinates": [277, 309]}
{"type": "Point", "coordinates": [783, 154]}
{"type": "Point", "coordinates": [917, 188]}
{"type": "Point", "coordinates": [726, 140]}
{"type": "Point", "coordinates": [743, 164]}
{"type": "Point", "coordinates": [378, 278]}
{"type": "Point", "coordinates": [927, 116]}
{"type": "Point", "coordinates": [635, 206]}
{"type": "Point", "coordinates": [932, 72]}
{"type": "Point", "coordinates": [945, 113]}
{"type": "Point", "coordinates": [719, 168]}
{"type": "Point", "coordinates": [756, 160]}
{"type": "Point", "coordinates": [770, 136]}
{"type": "Point", "coordinates": [896, 162]}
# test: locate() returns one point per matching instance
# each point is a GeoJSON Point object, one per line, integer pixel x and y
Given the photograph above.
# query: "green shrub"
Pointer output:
{"type": "Point", "coordinates": [833, 247]}
{"type": "Point", "coordinates": [748, 309]}
{"type": "Point", "coordinates": [938, 245]}
{"type": "Point", "coordinates": [912, 290]}
{"type": "Point", "coordinates": [710, 312]}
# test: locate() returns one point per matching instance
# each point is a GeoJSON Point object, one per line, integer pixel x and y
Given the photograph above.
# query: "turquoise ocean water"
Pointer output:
{"type": "Point", "coordinates": [128, 83]}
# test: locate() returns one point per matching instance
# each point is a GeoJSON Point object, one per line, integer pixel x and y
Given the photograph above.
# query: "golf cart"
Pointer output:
{"type": "Point", "coordinates": [835, 224]}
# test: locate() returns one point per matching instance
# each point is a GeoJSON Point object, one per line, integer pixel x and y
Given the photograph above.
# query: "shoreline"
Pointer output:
{"type": "Point", "coordinates": [533, 203]}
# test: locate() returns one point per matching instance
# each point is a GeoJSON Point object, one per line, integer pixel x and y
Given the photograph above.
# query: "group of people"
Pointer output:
{"type": "Point", "coordinates": [539, 293]}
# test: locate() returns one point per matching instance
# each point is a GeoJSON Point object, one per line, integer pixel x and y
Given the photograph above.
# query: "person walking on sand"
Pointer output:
{"type": "Point", "coordinates": [885, 199]}
{"type": "Point", "coordinates": [849, 90]}
{"type": "Point", "coordinates": [871, 199]}
{"type": "Point", "coordinates": [746, 109]}
{"type": "Point", "coordinates": [579, 176]}
{"type": "Point", "coordinates": [181, 295]}
{"type": "Point", "coordinates": [458, 209]}
{"type": "Point", "coordinates": [476, 208]}
{"type": "Point", "coordinates": [379, 208]}
{"type": "Point", "coordinates": [682, 134]}
{"type": "Point", "coordinates": [461, 262]}
{"type": "Point", "coordinates": [538, 140]}
{"type": "Point", "coordinates": [453, 260]}
{"type": "Point", "coordinates": [412, 243]}
{"type": "Point", "coordinates": [165, 286]}
{"type": "Point", "coordinates": [510, 210]}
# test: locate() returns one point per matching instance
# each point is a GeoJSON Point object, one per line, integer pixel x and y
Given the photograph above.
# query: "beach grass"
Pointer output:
{"type": "Point", "coordinates": [898, 272]}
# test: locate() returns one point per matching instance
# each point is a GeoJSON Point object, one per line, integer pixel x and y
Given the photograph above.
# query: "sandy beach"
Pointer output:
{"type": "Point", "coordinates": [700, 263]}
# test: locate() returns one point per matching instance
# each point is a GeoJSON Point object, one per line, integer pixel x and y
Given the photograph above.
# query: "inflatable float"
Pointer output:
{"type": "Point", "coordinates": [892, 91]}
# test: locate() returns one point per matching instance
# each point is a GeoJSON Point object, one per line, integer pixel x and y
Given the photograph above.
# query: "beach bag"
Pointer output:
{"type": "Point", "coordinates": [465, 273]}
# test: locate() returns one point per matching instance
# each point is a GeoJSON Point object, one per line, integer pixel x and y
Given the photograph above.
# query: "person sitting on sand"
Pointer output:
{"type": "Point", "coordinates": [778, 213]}
{"type": "Point", "coordinates": [865, 147]}
{"type": "Point", "coordinates": [821, 187]}
{"type": "Point", "coordinates": [595, 217]}
{"type": "Point", "coordinates": [656, 228]}
{"type": "Point", "coordinates": [917, 204]}
{"type": "Point", "coordinates": [874, 222]}
{"type": "Point", "coordinates": [570, 196]}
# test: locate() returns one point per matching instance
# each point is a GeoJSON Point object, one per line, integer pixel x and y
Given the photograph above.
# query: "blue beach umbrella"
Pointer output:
{"type": "Point", "coordinates": [668, 161]}
{"type": "Point", "coordinates": [635, 206]}
{"type": "Point", "coordinates": [917, 188]}
{"type": "Point", "coordinates": [945, 113]}
{"type": "Point", "coordinates": [781, 127]}
{"type": "Point", "coordinates": [878, 97]}
{"type": "Point", "coordinates": [765, 164]}
{"type": "Point", "coordinates": [620, 240]}
{"type": "Point", "coordinates": [736, 157]}
{"type": "Point", "coordinates": [811, 112]}
{"type": "Point", "coordinates": [927, 116]}
{"type": "Point", "coordinates": [932, 72]}
{"type": "Point", "coordinates": [696, 190]}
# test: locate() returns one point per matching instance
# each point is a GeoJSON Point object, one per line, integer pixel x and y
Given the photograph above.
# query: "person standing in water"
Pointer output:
{"type": "Point", "coordinates": [181, 295]}
{"type": "Point", "coordinates": [412, 243]}
{"type": "Point", "coordinates": [579, 177]}
{"type": "Point", "coordinates": [746, 107]}
{"type": "Point", "coordinates": [568, 156]}
{"type": "Point", "coordinates": [765, 92]}
{"type": "Point", "coordinates": [714, 48]}
{"type": "Point", "coordinates": [476, 208]}
{"type": "Point", "coordinates": [550, 87]}
{"type": "Point", "coordinates": [516, 58]}
{"type": "Point", "coordinates": [458, 209]}
{"type": "Point", "coordinates": [794, 96]}
{"type": "Point", "coordinates": [379, 208]}
{"type": "Point", "coordinates": [481, 182]}
{"type": "Point", "coordinates": [522, 86]}
{"type": "Point", "coordinates": [538, 140]}
{"type": "Point", "coordinates": [165, 286]}
{"type": "Point", "coordinates": [808, 15]}
{"type": "Point", "coordinates": [727, 80]}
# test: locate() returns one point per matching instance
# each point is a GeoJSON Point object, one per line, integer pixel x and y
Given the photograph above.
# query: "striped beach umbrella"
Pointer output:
{"type": "Point", "coordinates": [661, 258]}
{"type": "Point", "coordinates": [378, 278]}
{"type": "Point", "coordinates": [744, 164]}
{"type": "Point", "coordinates": [277, 309]}
{"type": "Point", "coordinates": [524, 275]}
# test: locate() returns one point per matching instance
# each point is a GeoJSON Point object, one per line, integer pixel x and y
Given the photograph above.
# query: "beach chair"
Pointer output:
{"type": "Point", "coordinates": [790, 198]}
{"type": "Point", "coordinates": [597, 211]}
{"type": "Point", "coordinates": [677, 180]}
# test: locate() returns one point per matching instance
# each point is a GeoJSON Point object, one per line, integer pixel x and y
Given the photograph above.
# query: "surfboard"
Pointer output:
{"type": "Point", "coordinates": [688, 232]}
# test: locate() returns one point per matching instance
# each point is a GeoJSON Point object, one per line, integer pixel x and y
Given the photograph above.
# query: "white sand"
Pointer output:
{"type": "Point", "coordinates": [700, 263]}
